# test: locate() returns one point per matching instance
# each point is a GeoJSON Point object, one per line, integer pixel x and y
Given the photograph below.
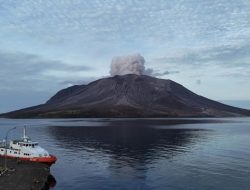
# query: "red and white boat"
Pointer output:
{"type": "Point", "coordinates": [27, 150]}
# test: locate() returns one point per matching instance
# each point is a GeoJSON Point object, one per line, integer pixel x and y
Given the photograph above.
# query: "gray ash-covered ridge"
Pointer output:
{"type": "Point", "coordinates": [129, 96]}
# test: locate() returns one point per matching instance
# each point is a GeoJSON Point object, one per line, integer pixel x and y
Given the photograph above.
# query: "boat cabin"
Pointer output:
{"type": "Point", "coordinates": [17, 144]}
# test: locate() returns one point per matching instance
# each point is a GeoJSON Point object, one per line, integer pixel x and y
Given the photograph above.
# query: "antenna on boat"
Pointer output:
{"type": "Point", "coordinates": [25, 137]}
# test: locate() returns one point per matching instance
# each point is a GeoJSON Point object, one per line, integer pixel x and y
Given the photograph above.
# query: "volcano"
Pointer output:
{"type": "Point", "coordinates": [128, 96]}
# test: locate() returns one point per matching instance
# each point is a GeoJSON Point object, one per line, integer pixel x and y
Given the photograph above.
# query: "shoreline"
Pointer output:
{"type": "Point", "coordinates": [23, 175]}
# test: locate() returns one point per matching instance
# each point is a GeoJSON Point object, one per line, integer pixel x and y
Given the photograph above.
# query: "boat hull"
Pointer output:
{"type": "Point", "coordinates": [44, 160]}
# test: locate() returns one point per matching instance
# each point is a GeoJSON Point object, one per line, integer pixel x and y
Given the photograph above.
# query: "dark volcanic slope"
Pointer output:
{"type": "Point", "coordinates": [129, 96]}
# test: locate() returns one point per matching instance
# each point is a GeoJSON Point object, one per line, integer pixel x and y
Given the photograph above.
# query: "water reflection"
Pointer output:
{"type": "Point", "coordinates": [50, 183]}
{"type": "Point", "coordinates": [130, 146]}
{"type": "Point", "coordinates": [107, 154]}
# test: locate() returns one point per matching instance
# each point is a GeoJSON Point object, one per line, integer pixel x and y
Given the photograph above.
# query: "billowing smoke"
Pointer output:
{"type": "Point", "coordinates": [134, 64]}
{"type": "Point", "coordinates": [130, 64]}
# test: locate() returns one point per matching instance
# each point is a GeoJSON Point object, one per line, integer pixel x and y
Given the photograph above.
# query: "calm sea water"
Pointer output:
{"type": "Point", "coordinates": [143, 154]}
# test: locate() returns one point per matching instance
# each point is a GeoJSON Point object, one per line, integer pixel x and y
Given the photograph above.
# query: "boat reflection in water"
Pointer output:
{"type": "Point", "coordinates": [51, 182]}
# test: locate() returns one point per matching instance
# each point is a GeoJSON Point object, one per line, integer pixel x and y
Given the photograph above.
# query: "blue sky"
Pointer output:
{"type": "Point", "coordinates": [49, 45]}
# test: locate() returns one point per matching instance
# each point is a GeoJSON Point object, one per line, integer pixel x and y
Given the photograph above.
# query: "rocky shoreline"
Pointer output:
{"type": "Point", "coordinates": [25, 176]}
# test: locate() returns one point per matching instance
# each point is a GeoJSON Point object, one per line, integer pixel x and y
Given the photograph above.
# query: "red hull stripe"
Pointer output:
{"type": "Point", "coordinates": [46, 160]}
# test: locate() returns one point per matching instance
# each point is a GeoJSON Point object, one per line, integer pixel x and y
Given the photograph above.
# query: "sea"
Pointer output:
{"type": "Point", "coordinates": [143, 154]}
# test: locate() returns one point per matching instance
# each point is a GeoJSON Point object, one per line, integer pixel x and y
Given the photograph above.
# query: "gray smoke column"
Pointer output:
{"type": "Point", "coordinates": [130, 64]}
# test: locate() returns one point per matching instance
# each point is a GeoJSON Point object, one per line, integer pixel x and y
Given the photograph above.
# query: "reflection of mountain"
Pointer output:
{"type": "Point", "coordinates": [128, 146]}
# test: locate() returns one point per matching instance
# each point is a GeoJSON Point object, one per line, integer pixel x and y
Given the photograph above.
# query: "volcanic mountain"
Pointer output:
{"type": "Point", "coordinates": [128, 96]}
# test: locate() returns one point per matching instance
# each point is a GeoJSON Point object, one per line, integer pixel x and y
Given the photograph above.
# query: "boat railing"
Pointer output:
{"type": "Point", "coordinates": [2, 144]}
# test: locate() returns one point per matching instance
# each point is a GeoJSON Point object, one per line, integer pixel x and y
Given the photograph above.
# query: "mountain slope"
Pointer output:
{"type": "Point", "coordinates": [129, 96]}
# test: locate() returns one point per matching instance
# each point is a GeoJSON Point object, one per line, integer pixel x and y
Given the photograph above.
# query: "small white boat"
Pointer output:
{"type": "Point", "coordinates": [27, 150]}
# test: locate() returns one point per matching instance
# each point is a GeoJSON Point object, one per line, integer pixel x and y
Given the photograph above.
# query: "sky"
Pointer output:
{"type": "Point", "coordinates": [49, 45]}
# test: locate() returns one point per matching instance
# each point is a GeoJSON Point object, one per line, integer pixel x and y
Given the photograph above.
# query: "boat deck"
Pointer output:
{"type": "Point", "coordinates": [2, 145]}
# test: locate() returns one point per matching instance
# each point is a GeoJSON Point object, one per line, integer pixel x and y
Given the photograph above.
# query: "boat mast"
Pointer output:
{"type": "Point", "coordinates": [25, 137]}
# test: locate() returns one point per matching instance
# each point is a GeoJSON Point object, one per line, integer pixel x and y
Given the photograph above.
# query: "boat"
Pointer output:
{"type": "Point", "coordinates": [25, 149]}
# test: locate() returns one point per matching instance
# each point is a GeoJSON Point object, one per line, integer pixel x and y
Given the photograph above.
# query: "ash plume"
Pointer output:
{"type": "Point", "coordinates": [130, 64]}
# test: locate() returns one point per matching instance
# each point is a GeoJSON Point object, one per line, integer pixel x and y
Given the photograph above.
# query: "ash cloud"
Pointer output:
{"type": "Point", "coordinates": [164, 73]}
{"type": "Point", "coordinates": [129, 64]}
{"type": "Point", "coordinates": [134, 64]}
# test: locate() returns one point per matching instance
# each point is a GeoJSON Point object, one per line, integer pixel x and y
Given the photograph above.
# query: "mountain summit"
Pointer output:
{"type": "Point", "coordinates": [128, 96]}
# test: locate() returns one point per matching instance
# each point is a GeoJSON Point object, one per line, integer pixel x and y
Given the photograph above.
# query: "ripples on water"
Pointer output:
{"type": "Point", "coordinates": [144, 153]}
